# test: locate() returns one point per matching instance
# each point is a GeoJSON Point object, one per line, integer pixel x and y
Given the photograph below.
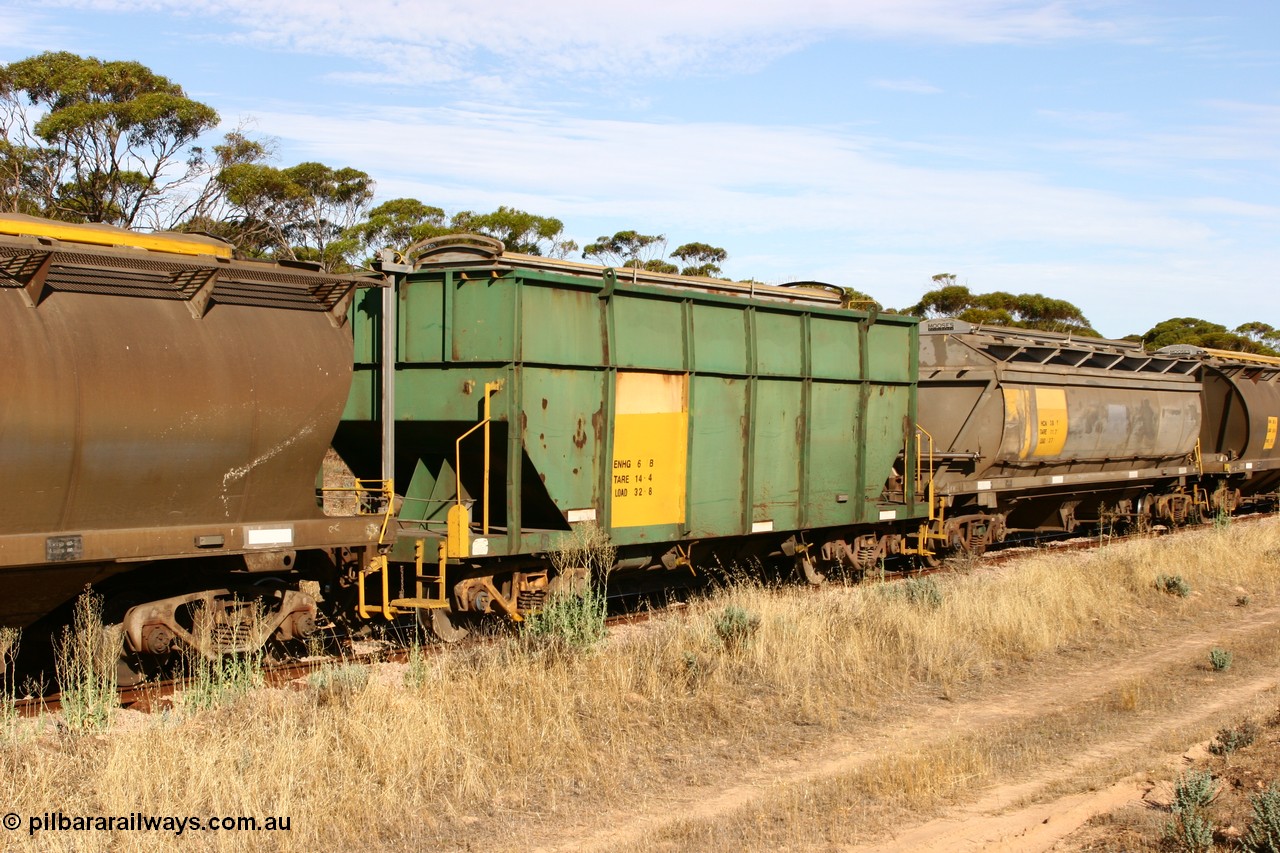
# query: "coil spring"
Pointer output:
{"type": "Point", "coordinates": [531, 599]}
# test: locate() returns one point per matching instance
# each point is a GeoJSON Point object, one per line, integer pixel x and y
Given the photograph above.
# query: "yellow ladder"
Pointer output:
{"type": "Point", "coordinates": [431, 590]}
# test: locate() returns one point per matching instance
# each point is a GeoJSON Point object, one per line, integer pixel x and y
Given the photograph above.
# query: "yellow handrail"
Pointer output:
{"type": "Point", "coordinates": [936, 509]}
{"type": "Point", "coordinates": [919, 455]}
{"type": "Point", "coordinates": [490, 388]}
{"type": "Point", "coordinates": [385, 488]}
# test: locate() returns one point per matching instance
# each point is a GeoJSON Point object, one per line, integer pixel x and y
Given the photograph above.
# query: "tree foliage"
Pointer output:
{"type": "Point", "coordinates": [653, 265]}
{"type": "Point", "coordinates": [94, 141]}
{"type": "Point", "coordinates": [626, 249]}
{"type": "Point", "coordinates": [519, 231]}
{"type": "Point", "coordinates": [1260, 333]}
{"type": "Point", "coordinates": [207, 208]}
{"type": "Point", "coordinates": [851, 297]}
{"type": "Point", "coordinates": [303, 213]}
{"type": "Point", "coordinates": [1000, 308]}
{"type": "Point", "coordinates": [1254, 337]}
{"type": "Point", "coordinates": [401, 222]}
{"type": "Point", "coordinates": [398, 224]}
{"type": "Point", "coordinates": [700, 259]}
{"type": "Point", "coordinates": [633, 250]}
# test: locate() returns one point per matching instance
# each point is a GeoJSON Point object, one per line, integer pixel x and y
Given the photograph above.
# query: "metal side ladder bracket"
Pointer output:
{"type": "Point", "coordinates": [431, 591]}
{"type": "Point", "coordinates": [378, 565]}
{"type": "Point", "coordinates": [931, 530]}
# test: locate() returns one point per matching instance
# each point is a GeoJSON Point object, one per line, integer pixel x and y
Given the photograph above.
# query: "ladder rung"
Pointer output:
{"type": "Point", "coordinates": [420, 603]}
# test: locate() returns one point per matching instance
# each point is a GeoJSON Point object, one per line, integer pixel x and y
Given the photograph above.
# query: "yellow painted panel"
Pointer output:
{"type": "Point", "coordinates": [649, 463]}
{"type": "Point", "coordinates": [1051, 421]}
{"type": "Point", "coordinates": [650, 449]}
{"type": "Point", "coordinates": [1270, 441]}
{"type": "Point", "coordinates": [1017, 417]}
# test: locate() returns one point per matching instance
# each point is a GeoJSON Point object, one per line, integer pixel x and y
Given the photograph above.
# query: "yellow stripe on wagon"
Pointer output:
{"type": "Point", "coordinates": [17, 225]}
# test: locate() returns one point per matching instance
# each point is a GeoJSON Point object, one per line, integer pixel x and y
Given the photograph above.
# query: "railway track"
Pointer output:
{"type": "Point", "coordinates": [154, 695]}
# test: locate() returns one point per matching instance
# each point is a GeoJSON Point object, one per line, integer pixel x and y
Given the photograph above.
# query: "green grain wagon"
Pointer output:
{"type": "Point", "coordinates": [690, 419]}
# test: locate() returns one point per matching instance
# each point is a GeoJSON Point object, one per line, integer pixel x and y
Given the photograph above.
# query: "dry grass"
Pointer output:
{"type": "Point", "coordinates": [493, 747]}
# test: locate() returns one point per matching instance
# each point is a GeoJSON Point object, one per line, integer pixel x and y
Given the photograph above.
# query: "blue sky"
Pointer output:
{"type": "Point", "coordinates": [1121, 155]}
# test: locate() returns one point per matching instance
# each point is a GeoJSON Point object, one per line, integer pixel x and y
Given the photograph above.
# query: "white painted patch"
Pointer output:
{"type": "Point", "coordinates": [242, 471]}
{"type": "Point", "coordinates": [761, 526]}
{"type": "Point", "coordinates": [1182, 470]}
{"type": "Point", "coordinates": [983, 485]}
{"type": "Point", "coordinates": [888, 514]}
{"type": "Point", "coordinates": [267, 537]}
{"type": "Point", "coordinates": [1056, 478]}
{"type": "Point", "coordinates": [479, 547]}
{"type": "Point", "coordinates": [1133, 475]}
{"type": "Point", "coordinates": [580, 515]}
{"type": "Point", "coordinates": [1248, 466]}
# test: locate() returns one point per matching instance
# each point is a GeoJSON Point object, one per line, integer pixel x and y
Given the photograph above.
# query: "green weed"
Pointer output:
{"type": "Point", "coordinates": [9, 641]}
{"type": "Point", "coordinates": [1191, 830]}
{"type": "Point", "coordinates": [338, 683]}
{"type": "Point", "coordinates": [417, 673]}
{"type": "Point", "coordinates": [1264, 830]}
{"type": "Point", "coordinates": [211, 683]}
{"type": "Point", "coordinates": [923, 592]}
{"type": "Point", "coordinates": [211, 680]}
{"type": "Point", "coordinates": [85, 659]}
{"type": "Point", "coordinates": [574, 614]}
{"type": "Point", "coordinates": [1194, 790]}
{"type": "Point", "coordinates": [735, 626]}
{"type": "Point", "coordinates": [571, 619]}
{"type": "Point", "coordinates": [1231, 738]}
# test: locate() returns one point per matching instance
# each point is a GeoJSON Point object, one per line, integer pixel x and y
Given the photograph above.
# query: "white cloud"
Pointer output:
{"type": "Point", "coordinates": [12, 27]}
{"type": "Point", "coordinates": [22, 34]}
{"type": "Point", "coordinates": [796, 202]}
{"type": "Point", "coordinates": [1228, 142]}
{"type": "Point", "coordinates": [435, 40]}
{"type": "Point", "coordinates": [803, 177]}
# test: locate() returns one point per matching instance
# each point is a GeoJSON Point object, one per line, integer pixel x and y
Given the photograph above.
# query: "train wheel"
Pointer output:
{"type": "Point", "coordinates": [807, 568]}
{"type": "Point", "coordinates": [1142, 521]}
{"type": "Point", "coordinates": [130, 671]}
{"type": "Point", "coordinates": [445, 625]}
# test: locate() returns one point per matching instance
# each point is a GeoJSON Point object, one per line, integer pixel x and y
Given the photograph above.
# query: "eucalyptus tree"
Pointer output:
{"type": "Point", "coordinates": [87, 140]}
{"type": "Point", "coordinates": [700, 259]}
{"type": "Point", "coordinates": [1000, 308]}
{"type": "Point", "coordinates": [519, 231]}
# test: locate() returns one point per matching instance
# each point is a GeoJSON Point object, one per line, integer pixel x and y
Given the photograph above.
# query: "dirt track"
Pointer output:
{"type": "Point", "coordinates": [1022, 815]}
